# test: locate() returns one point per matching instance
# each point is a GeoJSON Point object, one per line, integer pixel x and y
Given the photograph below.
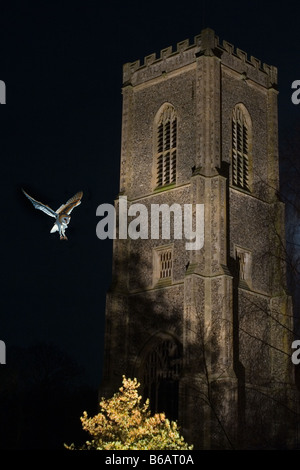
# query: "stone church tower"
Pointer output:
{"type": "Point", "coordinates": [207, 332]}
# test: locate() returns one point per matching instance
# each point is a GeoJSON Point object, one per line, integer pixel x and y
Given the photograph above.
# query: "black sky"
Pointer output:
{"type": "Point", "coordinates": [60, 133]}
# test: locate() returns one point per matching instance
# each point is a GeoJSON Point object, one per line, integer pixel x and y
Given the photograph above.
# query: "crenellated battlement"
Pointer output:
{"type": "Point", "coordinates": [206, 43]}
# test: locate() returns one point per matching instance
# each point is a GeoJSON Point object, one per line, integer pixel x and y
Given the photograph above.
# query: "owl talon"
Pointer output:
{"type": "Point", "coordinates": [63, 237]}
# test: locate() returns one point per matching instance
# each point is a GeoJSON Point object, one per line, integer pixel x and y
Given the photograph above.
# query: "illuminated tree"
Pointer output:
{"type": "Point", "coordinates": [124, 423]}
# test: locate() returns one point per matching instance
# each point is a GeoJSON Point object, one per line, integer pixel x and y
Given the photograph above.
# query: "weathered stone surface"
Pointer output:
{"type": "Point", "coordinates": [216, 335]}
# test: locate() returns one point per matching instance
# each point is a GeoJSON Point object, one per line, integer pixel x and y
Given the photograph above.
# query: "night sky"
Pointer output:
{"type": "Point", "coordinates": [61, 133]}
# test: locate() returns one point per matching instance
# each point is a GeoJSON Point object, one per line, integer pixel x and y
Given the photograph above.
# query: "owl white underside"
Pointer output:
{"type": "Point", "coordinates": [54, 228]}
{"type": "Point", "coordinates": [62, 215]}
{"type": "Point", "coordinates": [59, 228]}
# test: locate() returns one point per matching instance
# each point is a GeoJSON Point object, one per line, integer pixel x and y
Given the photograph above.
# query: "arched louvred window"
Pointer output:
{"type": "Point", "coordinates": [241, 137]}
{"type": "Point", "coordinates": [166, 146]}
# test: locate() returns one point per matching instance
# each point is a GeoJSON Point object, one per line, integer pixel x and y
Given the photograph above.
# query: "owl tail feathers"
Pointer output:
{"type": "Point", "coordinates": [54, 228]}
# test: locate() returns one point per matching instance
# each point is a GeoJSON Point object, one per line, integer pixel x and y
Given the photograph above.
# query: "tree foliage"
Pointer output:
{"type": "Point", "coordinates": [124, 423]}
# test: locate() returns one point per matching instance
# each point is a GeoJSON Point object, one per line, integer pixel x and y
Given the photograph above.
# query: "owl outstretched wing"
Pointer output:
{"type": "Point", "coordinates": [40, 206]}
{"type": "Point", "coordinates": [70, 204]}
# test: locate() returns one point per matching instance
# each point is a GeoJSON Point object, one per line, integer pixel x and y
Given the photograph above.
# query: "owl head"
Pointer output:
{"type": "Point", "coordinates": [66, 219]}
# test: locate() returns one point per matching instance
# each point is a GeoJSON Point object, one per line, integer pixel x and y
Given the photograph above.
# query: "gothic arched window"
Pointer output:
{"type": "Point", "coordinates": [161, 372]}
{"type": "Point", "coordinates": [240, 157]}
{"type": "Point", "coordinates": [166, 143]}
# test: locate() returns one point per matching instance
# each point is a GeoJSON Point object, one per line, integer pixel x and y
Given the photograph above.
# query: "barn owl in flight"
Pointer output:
{"type": "Point", "coordinates": [62, 215]}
